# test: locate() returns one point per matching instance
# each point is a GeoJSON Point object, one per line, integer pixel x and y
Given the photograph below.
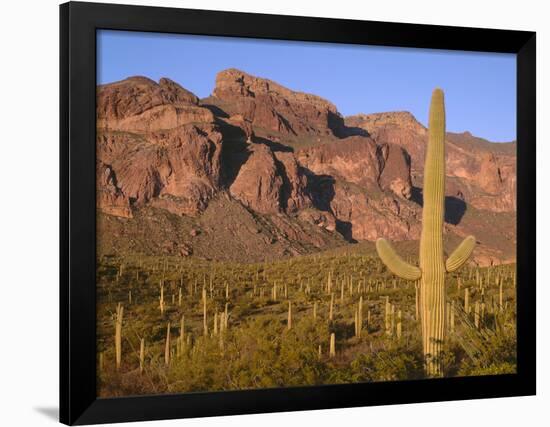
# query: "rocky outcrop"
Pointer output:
{"type": "Point", "coordinates": [484, 172]}
{"type": "Point", "coordinates": [322, 219]}
{"type": "Point", "coordinates": [269, 105]}
{"type": "Point", "coordinates": [294, 193]}
{"type": "Point", "coordinates": [354, 159]}
{"type": "Point", "coordinates": [400, 128]}
{"type": "Point", "coordinates": [479, 172]}
{"type": "Point", "coordinates": [361, 161]}
{"type": "Point", "coordinates": [366, 187]}
{"type": "Point", "coordinates": [110, 199]}
{"type": "Point", "coordinates": [163, 148]}
{"type": "Point", "coordinates": [138, 104]}
{"type": "Point", "coordinates": [270, 182]}
{"type": "Point", "coordinates": [178, 169]}
{"type": "Point", "coordinates": [364, 216]}
{"type": "Point", "coordinates": [396, 172]}
{"type": "Point", "coordinates": [258, 184]}
{"type": "Point", "coordinates": [135, 95]}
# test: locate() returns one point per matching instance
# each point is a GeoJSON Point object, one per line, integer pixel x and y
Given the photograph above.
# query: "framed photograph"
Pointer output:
{"type": "Point", "coordinates": [267, 213]}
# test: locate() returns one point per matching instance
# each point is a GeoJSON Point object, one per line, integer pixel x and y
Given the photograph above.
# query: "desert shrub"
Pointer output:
{"type": "Point", "coordinates": [391, 363]}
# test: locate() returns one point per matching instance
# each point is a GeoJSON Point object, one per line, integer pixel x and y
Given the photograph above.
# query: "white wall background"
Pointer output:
{"type": "Point", "coordinates": [29, 209]}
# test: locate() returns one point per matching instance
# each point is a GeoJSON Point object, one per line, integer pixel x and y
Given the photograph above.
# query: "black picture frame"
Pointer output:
{"type": "Point", "coordinates": [78, 24]}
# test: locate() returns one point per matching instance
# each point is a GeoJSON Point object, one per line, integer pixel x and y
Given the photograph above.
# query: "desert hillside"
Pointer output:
{"type": "Point", "coordinates": [258, 171]}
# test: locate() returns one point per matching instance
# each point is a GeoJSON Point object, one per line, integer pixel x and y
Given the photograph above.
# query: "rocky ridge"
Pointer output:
{"type": "Point", "coordinates": [307, 178]}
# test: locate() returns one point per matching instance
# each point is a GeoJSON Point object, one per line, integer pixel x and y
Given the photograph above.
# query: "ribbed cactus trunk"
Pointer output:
{"type": "Point", "coordinates": [433, 266]}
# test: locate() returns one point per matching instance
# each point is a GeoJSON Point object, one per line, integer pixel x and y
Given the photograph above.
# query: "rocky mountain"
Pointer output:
{"type": "Point", "coordinates": [259, 171]}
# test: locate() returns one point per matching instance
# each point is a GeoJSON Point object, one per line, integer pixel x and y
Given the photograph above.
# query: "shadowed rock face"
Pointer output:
{"type": "Point", "coordinates": [361, 161]}
{"type": "Point", "coordinates": [307, 179]}
{"type": "Point", "coordinates": [110, 198]}
{"type": "Point", "coordinates": [479, 172]}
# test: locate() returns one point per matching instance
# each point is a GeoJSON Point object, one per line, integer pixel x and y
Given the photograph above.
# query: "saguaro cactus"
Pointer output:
{"type": "Point", "coordinates": [204, 324]}
{"type": "Point", "coordinates": [141, 354]}
{"type": "Point", "coordinates": [161, 298]}
{"type": "Point", "coordinates": [433, 267]}
{"type": "Point", "coordinates": [332, 346]}
{"type": "Point", "coordinates": [118, 334]}
{"type": "Point", "coordinates": [167, 346]}
{"type": "Point", "coordinates": [289, 317]}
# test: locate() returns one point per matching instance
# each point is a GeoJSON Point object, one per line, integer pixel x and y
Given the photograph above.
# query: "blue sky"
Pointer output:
{"type": "Point", "coordinates": [480, 88]}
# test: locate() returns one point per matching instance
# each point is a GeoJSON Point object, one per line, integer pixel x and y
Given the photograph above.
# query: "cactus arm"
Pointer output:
{"type": "Point", "coordinates": [395, 263]}
{"type": "Point", "coordinates": [461, 254]}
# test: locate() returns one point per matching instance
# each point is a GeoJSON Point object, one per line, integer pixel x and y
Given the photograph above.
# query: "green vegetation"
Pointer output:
{"type": "Point", "coordinates": [225, 326]}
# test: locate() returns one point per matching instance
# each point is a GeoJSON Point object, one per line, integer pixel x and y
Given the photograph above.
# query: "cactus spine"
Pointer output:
{"type": "Point", "coordinates": [432, 265]}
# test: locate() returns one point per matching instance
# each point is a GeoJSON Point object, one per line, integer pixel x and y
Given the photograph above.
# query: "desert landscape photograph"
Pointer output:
{"type": "Point", "coordinates": [282, 214]}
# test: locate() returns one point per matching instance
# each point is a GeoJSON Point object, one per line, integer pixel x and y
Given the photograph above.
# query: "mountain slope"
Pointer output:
{"type": "Point", "coordinates": [259, 171]}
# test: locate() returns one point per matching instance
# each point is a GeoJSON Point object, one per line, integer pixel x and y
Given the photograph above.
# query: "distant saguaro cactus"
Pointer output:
{"type": "Point", "coordinates": [289, 317]}
{"type": "Point", "coordinates": [399, 326]}
{"type": "Point", "coordinates": [182, 329]}
{"type": "Point", "coordinates": [167, 346]}
{"type": "Point", "coordinates": [226, 316]}
{"type": "Point", "coordinates": [141, 354]}
{"type": "Point", "coordinates": [204, 324]}
{"type": "Point", "coordinates": [118, 334]}
{"type": "Point", "coordinates": [432, 265]}
{"type": "Point", "coordinates": [161, 298]}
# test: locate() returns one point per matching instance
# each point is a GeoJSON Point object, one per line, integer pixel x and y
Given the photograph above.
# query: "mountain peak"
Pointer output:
{"type": "Point", "coordinates": [234, 81]}
{"type": "Point", "coordinates": [274, 107]}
